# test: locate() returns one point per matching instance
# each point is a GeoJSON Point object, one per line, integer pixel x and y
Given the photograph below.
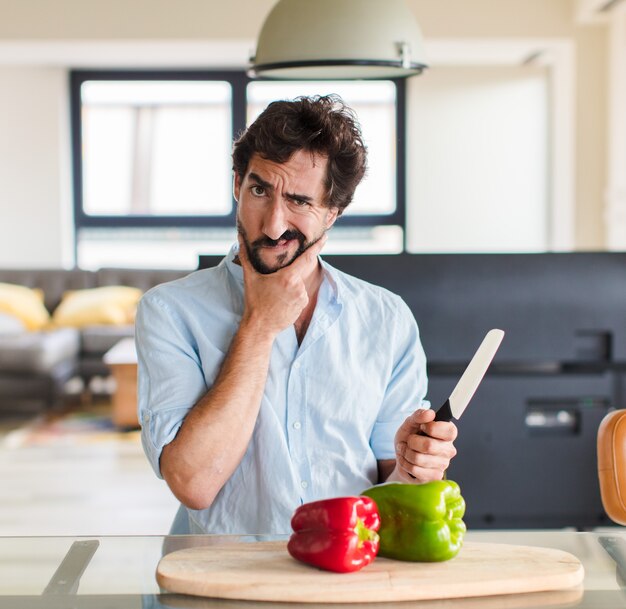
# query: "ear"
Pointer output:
{"type": "Point", "coordinates": [331, 216]}
{"type": "Point", "coordinates": [236, 186]}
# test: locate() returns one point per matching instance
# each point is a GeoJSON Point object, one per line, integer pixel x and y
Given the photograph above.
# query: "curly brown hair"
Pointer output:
{"type": "Point", "coordinates": [322, 125]}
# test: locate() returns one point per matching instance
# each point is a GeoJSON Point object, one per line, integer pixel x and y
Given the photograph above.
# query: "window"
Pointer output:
{"type": "Point", "coordinates": [134, 134]}
{"type": "Point", "coordinates": [152, 166]}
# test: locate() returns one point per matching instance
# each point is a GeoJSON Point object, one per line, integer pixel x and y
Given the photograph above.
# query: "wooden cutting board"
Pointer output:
{"type": "Point", "coordinates": [264, 571]}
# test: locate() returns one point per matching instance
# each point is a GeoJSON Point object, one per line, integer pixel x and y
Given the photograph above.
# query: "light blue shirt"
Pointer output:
{"type": "Point", "coordinates": [331, 405]}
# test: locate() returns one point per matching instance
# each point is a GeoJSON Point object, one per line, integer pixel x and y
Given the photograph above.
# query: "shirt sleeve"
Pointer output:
{"type": "Point", "coordinates": [407, 385]}
{"type": "Point", "coordinates": [169, 374]}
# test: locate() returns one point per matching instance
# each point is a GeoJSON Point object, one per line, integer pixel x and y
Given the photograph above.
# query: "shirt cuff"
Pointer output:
{"type": "Point", "coordinates": [381, 439]}
{"type": "Point", "coordinates": [157, 430]}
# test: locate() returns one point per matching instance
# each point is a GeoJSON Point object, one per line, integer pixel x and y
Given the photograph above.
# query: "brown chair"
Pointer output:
{"type": "Point", "coordinates": [612, 464]}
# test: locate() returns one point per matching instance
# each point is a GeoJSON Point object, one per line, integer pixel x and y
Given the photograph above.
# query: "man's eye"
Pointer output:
{"type": "Point", "coordinates": [257, 190]}
{"type": "Point", "coordinates": [300, 202]}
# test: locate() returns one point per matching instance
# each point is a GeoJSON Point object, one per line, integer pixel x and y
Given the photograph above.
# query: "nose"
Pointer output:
{"type": "Point", "coordinates": [275, 218]}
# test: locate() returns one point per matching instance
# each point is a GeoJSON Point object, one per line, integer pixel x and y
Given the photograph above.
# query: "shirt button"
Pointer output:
{"type": "Point", "coordinates": [296, 365]}
{"type": "Point", "coordinates": [297, 425]}
{"type": "Point", "coordinates": [304, 484]}
{"type": "Point", "coordinates": [146, 417]}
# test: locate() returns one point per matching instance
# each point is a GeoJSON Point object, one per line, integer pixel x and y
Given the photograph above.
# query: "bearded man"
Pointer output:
{"type": "Point", "coordinates": [274, 379]}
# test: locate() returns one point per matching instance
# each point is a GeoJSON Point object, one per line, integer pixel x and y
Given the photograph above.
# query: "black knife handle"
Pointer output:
{"type": "Point", "coordinates": [444, 413]}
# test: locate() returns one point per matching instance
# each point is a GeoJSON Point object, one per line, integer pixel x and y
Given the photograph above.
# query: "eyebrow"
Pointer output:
{"type": "Point", "coordinates": [289, 195]}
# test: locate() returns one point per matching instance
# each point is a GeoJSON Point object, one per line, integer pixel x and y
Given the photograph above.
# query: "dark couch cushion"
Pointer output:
{"type": "Point", "coordinates": [144, 279]}
{"type": "Point", "coordinates": [38, 352]}
{"type": "Point", "coordinates": [99, 339]}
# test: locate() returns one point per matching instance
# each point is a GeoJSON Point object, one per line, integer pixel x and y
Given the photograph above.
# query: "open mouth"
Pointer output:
{"type": "Point", "coordinates": [280, 244]}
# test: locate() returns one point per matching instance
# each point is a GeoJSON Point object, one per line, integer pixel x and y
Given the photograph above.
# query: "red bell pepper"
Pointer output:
{"type": "Point", "coordinates": [336, 534]}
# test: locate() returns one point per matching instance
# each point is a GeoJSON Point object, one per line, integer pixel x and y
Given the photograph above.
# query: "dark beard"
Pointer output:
{"type": "Point", "coordinates": [254, 248]}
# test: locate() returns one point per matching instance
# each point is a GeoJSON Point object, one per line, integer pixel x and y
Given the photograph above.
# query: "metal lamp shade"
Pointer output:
{"type": "Point", "coordinates": [339, 39]}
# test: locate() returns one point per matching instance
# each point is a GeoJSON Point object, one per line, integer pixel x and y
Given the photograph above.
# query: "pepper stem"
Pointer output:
{"type": "Point", "coordinates": [364, 533]}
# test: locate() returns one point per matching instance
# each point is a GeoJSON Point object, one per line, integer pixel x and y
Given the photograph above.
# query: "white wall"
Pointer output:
{"type": "Point", "coordinates": [477, 160]}
{"type": "Point", "coordinates": [35, 195]}
{"type": "Point", "coordinates": [616, 182]}
{"type": "Point", "coordinates": [133, 19]}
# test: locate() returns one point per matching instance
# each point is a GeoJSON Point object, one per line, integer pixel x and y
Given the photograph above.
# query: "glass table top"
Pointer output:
{"type": "Point", "coordinates": [119, 572]}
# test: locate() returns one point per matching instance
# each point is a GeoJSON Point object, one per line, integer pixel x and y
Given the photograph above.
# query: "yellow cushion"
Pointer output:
{"type": "Point", "coordinates": [24, 303]}
{"type": "Point", "coordinates": [112, 305]}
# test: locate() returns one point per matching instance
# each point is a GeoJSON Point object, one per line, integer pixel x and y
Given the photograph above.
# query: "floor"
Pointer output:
{"type": "Point", "coordinates": [104, 488]}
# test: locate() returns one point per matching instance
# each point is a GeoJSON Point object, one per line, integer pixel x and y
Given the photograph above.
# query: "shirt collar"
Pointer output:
{"type": "Point", "coordinates": [331, 277]}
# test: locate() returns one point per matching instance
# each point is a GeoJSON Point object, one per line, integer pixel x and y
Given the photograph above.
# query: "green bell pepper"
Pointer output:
{"type": "Point", "coordinates": [420, 522]}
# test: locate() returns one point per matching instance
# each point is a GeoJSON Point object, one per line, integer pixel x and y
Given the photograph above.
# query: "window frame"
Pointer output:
{"type": "Point", "coordinates": [239, 81]}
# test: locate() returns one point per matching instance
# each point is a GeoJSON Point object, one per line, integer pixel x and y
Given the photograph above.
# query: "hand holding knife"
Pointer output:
{"type": "Point", "coordinates": [454, 406]}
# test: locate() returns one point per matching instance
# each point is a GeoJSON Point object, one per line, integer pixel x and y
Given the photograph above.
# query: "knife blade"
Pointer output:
{"type": "Point", "coordinates": [461, 395]}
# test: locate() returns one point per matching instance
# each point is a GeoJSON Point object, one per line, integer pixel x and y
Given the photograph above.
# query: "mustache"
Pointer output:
{"type": "Point", "coordinates": [287, 235]}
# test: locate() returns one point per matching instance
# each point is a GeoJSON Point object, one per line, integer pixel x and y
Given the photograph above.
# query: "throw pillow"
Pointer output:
{"type": "Point", "coordinates": [109, 305]}
{"type": "Point", "coordinates": [26, 304]}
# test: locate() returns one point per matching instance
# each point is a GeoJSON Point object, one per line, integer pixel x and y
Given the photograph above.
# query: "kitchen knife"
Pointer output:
{"type": "Point", "coordinates": [460, 397]}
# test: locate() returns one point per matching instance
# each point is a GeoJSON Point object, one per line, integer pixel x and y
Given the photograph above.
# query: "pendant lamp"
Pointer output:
{"type": "Point", "coordinates": [338, 39]}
